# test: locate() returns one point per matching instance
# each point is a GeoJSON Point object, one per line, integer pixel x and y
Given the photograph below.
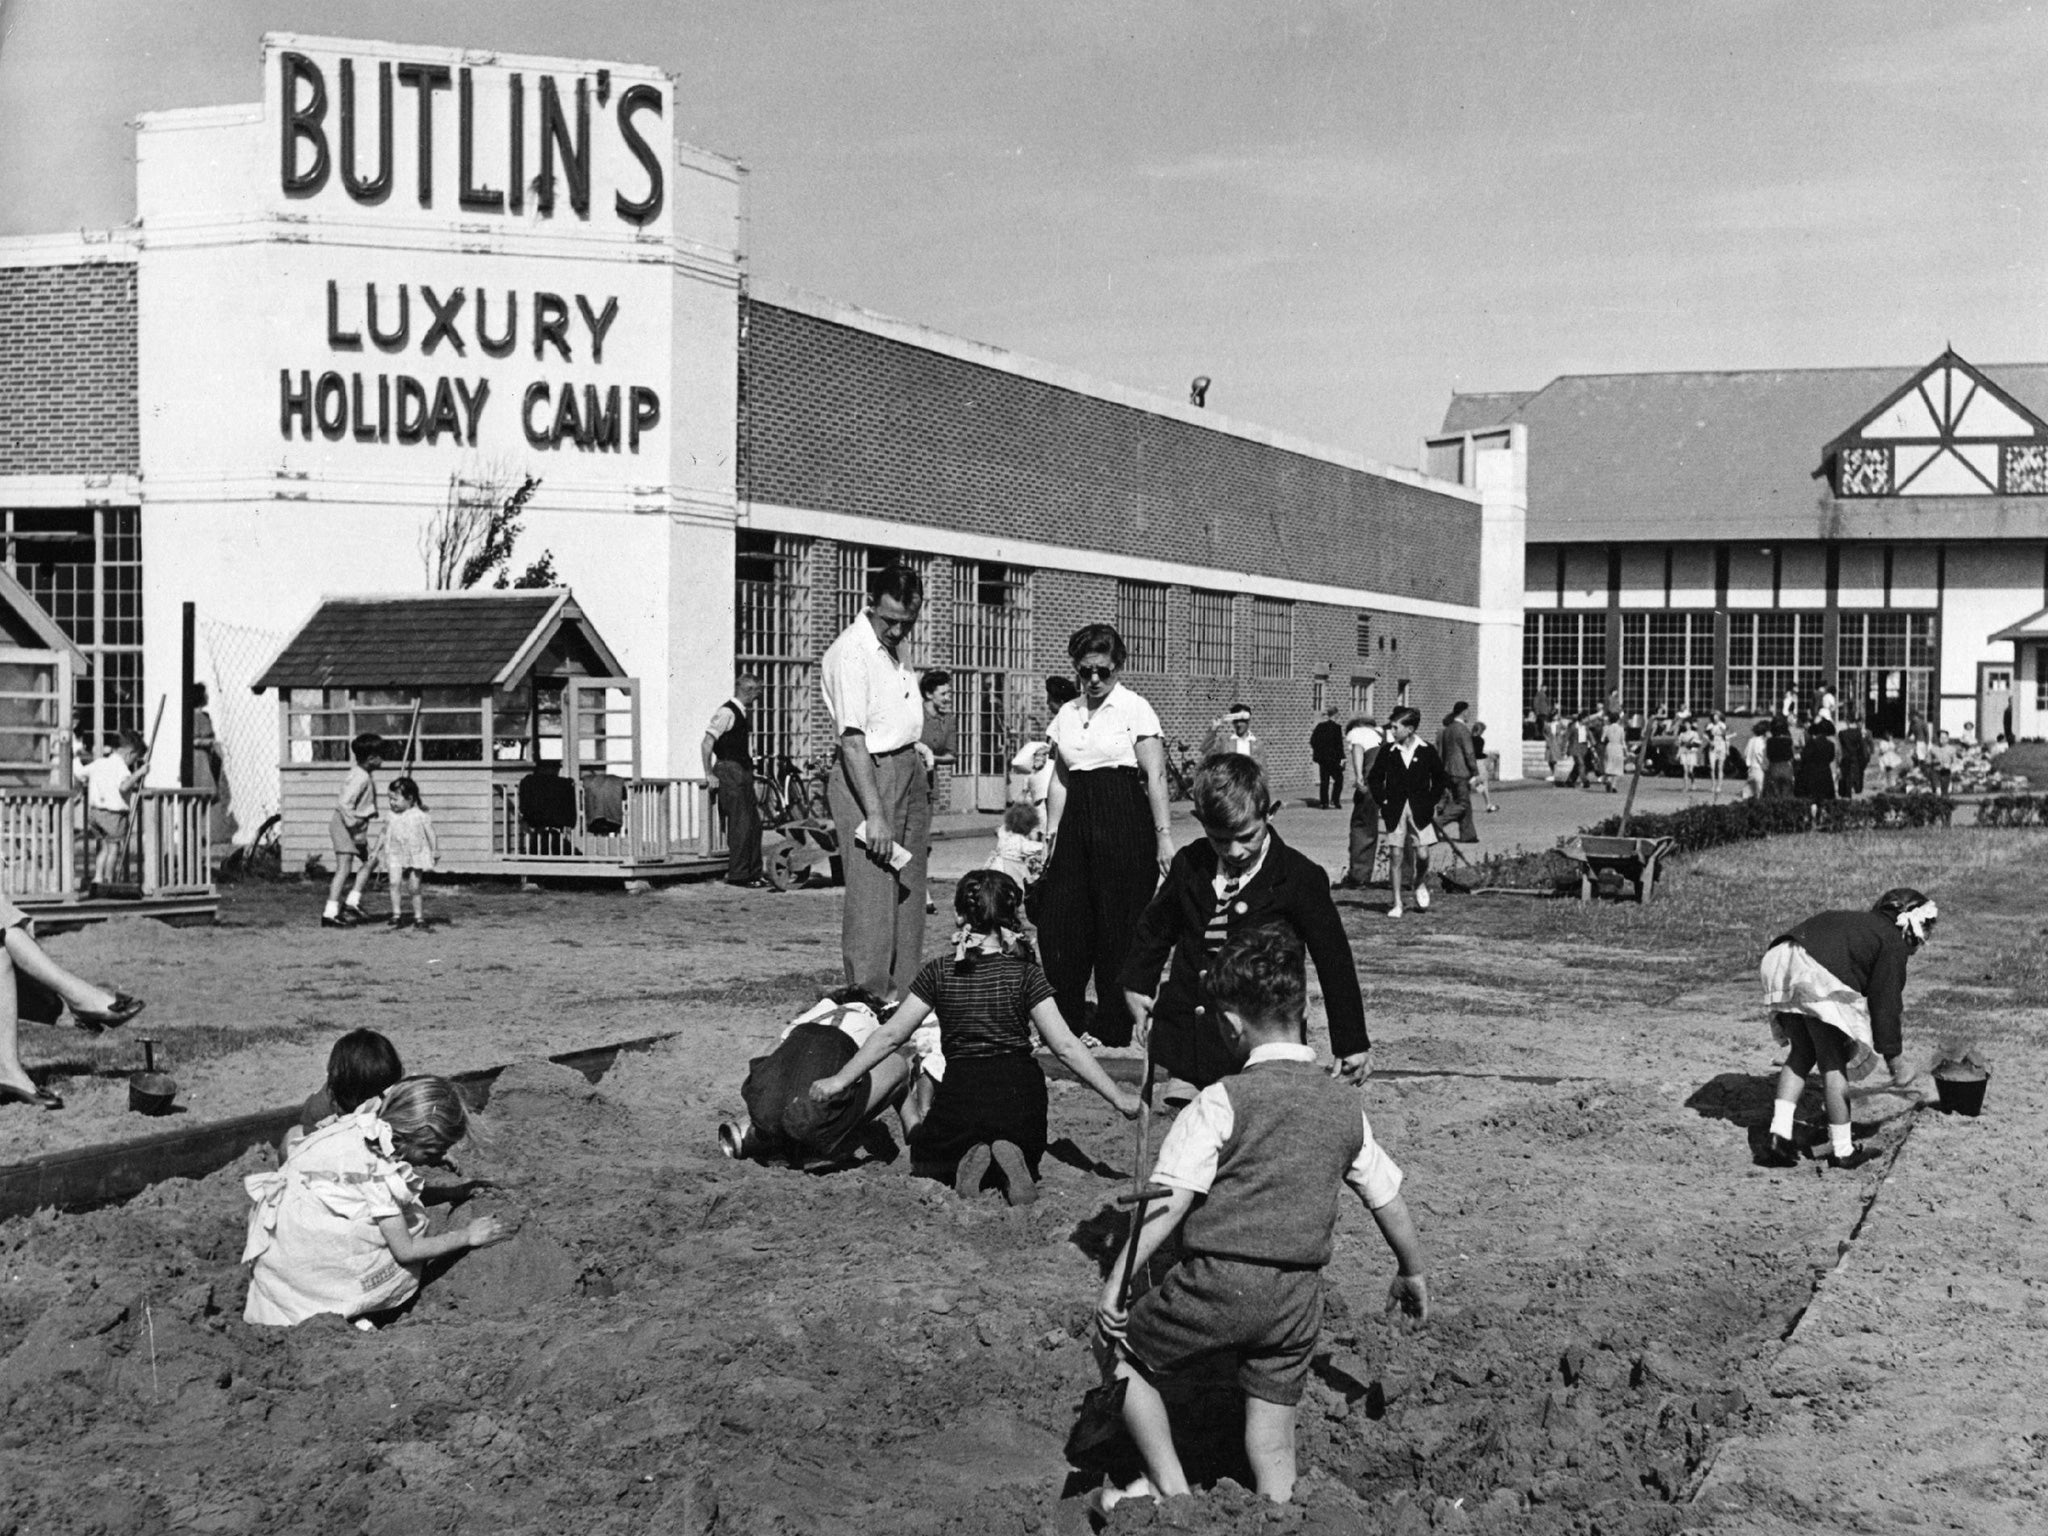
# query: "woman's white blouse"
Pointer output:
{"type": "Point", "coordinates": [1106, 738]}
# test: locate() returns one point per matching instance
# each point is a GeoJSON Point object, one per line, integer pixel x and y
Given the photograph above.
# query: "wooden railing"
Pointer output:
{"type": "Point", "coordinates": [45, 856]}
{"type": "Point", "coordinates": [665, 822]}
{"type": "Point", "coordinates": [39, 844]}
{"type": "Point", "coordinates": [173, 833]}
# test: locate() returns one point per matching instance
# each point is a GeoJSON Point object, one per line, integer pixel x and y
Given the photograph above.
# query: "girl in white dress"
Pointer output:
{"type": "Point", "coordinates": [410, 850]}
{"type": "Point", "coordinates": [341, 1227]}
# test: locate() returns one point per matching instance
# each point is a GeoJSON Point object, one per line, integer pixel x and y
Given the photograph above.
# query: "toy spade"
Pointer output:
{"type": "Point", "coordinates": [1100, 1423]}
{"type": "Point", "coordinates": [151, 1092]}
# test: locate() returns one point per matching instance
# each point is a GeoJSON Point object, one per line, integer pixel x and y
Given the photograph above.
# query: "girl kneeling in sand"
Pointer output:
{"type": "Point", "coordinates": [991, 1105]}
{"type": "Point", "coordinates": [341, 1227]}
{"type": "Point", "coordinates": [1836, 986]}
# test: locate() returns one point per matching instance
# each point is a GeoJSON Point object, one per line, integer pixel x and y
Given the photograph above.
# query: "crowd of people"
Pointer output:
{"type": "Point", "coordinates": [1808, 749]}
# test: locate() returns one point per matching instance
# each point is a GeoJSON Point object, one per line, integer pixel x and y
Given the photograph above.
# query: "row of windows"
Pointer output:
{"type": "Point", "coordinates": [1884, 661]}
{"type": "Point", "coordinates": [1141, 619]}
{"type": "Point", "coordinates": [780, 630]}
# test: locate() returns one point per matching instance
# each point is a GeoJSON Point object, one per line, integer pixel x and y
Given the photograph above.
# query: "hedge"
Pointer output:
{"type": "Point", "coordinates": [1699, 827]}
{"type": "Point", "coordinates": [2013, 811]}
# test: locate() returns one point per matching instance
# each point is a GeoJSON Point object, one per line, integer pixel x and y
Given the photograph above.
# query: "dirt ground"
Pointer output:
{"type": "Point", "coordinates": [676, 1343]}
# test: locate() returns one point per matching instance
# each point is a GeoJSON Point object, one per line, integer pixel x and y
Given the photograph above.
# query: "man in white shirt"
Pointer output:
{"type": "Point", "coordinates": [878, 710]}
{"type": "Point", "coordinates": [1362, 742]}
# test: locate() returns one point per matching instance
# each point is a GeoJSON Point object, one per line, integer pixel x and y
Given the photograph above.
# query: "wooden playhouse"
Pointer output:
{"type": "Point", "coordinates": [166, 866]}
{"type": "Point", "coordinates": [523, 734]}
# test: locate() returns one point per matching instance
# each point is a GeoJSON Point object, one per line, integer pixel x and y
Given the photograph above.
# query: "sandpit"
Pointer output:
{"type": "Point", "coordinates": [672, 1333]}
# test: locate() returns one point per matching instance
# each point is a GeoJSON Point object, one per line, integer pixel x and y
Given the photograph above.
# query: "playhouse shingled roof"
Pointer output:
{"type": "Point", "coordinates": [437, 640]}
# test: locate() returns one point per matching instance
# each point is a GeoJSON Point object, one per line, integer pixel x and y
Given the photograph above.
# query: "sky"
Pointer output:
{"type": "Point", "coordinates": [1341, 213]}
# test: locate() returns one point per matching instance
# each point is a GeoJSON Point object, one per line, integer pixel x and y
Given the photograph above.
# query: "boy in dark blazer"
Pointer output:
{"type": "Point", "coordinates": [1240, 875]}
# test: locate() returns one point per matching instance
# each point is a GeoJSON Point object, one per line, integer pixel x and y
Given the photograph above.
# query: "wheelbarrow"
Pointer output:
{"type": "Point", "coordinates": [1635, 859]}
{"type": "Point", "coordinates": [803, 845]}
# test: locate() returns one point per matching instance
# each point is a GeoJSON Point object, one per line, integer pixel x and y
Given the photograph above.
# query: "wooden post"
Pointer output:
{"type": "Point", "coordinates": [186, 669]}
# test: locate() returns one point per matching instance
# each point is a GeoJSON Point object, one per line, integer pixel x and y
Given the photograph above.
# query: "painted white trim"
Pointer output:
{"type": "Point", "coordinates": [982, 354]}
{"type": "Point", "coordinates": [70, 490]}
{"type": "Point", "coordinates": [73, 248]}
{"type": "Point", "coordinates": [232, 114]}
{"type": "Point", "coordinates": [927, 539]}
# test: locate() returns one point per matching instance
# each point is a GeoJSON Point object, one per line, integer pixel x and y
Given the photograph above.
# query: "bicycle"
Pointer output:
{"type": "Point", "coordinates": [782, 795]}
{"type": "Point", "coordinates": [1180, 772]}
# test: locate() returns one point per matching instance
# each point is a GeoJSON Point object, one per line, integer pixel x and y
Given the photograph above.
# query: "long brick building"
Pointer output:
{"type": "Point", "coordinates": [269, 387]}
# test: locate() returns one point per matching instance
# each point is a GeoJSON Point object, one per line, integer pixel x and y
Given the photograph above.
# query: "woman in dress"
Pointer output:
{"type": "Point", "coordinates": [1614, 746]}
{"type": "Point", "coordinates": [1690, 745]}
{"type": "Point", "coordinates": [1717, 751]}
{"type": "Point", "coordinates": [1814, 776]}
{"type": "Point", "coordinates": [1106, 825]}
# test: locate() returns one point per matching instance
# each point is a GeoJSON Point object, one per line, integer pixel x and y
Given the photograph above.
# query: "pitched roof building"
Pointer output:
{"type": "Point", "coordinates": [1722, 540]}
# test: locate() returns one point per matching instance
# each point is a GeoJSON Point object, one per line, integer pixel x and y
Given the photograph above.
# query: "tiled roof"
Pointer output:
{"type": "Point", "coordinates": [1726, 456]}
{"type": "Point", "coordinates": [390, 642]}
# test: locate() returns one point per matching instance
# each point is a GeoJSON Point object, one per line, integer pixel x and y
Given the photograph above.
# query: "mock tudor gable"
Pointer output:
{"type": "Point", "coordinates": [1950, 430]}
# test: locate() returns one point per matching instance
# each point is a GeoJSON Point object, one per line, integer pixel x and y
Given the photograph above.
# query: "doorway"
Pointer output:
{"type": "Point", "coordinates": [1994, 699]}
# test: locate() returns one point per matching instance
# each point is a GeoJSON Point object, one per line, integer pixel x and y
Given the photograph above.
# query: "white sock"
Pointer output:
{"type": "Point", "coordinates": [1781, 1118]}
{"type": "Point", "coordinates": [1840, 1141]}
{"type": "Point", "coordinates": [355, 901]}
{"type": "Point", "coordinates": [332, 909]}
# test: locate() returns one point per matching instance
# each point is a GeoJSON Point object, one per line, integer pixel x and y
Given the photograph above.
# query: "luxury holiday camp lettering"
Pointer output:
{"type": "Point", "coordinates": [403, 408]}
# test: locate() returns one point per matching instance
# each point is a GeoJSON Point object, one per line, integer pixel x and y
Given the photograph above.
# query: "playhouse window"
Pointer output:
{"type": "Point", "coordinates": [324, 721]}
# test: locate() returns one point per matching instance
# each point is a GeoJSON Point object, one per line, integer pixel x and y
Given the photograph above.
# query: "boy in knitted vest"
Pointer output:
{"type": "Point", "coordinates": [1253, 1168]}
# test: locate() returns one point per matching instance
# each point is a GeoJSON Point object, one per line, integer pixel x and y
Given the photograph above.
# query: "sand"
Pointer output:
{"type": "Point", "coordinates": [678, 1343]}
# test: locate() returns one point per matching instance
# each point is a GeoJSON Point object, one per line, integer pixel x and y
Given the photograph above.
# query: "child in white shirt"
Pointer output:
{"type": "Point", "coordinates": [109, 781]}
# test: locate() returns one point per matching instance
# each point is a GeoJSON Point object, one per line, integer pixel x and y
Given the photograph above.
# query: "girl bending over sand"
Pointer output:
{"type": "Point", "coordinates": [341, 1227]}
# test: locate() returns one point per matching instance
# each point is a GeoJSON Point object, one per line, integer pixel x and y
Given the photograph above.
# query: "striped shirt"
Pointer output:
{"type": "Point", "coordinates": [984, 1003]}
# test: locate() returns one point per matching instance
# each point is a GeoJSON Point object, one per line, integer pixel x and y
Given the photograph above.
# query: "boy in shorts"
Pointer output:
{"type": "Point", "coordinates": [348, 830]}
{"type": "Point", "coordinates": [109, 781]}
{"type": "Point", "coordinates": [1253, 1169]}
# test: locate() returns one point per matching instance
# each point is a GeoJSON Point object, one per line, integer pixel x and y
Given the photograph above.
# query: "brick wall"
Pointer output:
{"type": "Point", "coordinates": [841, 420]}
{"type": "Point", "coordinates": [67, 370]}
{"type": "Point", "coordinates": [1437, 657]}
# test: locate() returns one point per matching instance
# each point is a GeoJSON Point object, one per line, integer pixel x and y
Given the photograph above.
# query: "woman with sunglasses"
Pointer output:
{"type": "Point", "coordinates": [1106, 822]}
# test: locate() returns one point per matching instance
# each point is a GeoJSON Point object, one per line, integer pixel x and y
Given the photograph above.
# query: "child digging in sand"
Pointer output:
{"type": "Point", "coordinates": [784, 1123]}
{"type": "Point", "coordinates": [1253, 1168]}
{"type": "Point", "coordinates": [991, 1106]}
{"type": "Point", "coordinates": [1836, 986]}
{"type": "Point", "coordinates": [361, 1066]}
{"type": "Point", "coordinates": [341, 1226]}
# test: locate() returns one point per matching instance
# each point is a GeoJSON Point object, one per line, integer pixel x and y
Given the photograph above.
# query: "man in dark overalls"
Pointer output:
{"type": "Point", "coordinates": [729, 764]}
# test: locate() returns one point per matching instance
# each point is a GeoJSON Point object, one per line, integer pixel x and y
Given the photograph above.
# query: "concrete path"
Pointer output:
{"type": "Point", "coordinates": [1532, 816]}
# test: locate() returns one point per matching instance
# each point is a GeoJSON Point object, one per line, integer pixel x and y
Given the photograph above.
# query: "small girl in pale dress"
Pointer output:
{"type": "Point", "coordinates": [342, 1226]}
{"type": "Point", "coordinates": [410, 850]}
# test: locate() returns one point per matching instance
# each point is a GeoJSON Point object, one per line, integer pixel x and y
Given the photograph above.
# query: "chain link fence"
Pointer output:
{"type": "Point", "coordinates": [244, 723]}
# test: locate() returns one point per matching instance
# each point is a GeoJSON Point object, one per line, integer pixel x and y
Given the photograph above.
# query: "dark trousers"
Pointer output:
{"type": "Point", "coordinates": [1456, 811]}
{"type": "Point", "coordinates": [1329, 784]}
{"type": "Point", "coordinates": [1365, 837]}
{"type": "Point", "coordinates": [742, 813]}
{"type": "Point", "coordinates": [1104, 868]}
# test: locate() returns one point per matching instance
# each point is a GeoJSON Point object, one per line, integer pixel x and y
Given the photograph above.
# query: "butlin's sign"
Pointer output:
{"type": "Point", "coordinates": [499, 179]}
